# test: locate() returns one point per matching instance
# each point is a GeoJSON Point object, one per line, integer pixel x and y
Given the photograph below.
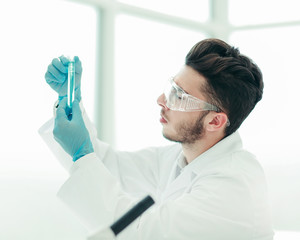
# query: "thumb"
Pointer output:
{"type": "Point", "coordinates": [78, 93]}
{"type": "Point", "coordinates": [78, 66]}
{"type": "Point", "coordinates": [61, 109]}
{"type": "Point", "coordinates": [76, 111]}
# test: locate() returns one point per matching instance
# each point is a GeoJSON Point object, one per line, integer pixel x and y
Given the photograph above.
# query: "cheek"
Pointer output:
{"type": "Point", "coordinates": [186, 116]}
{"type": "Point", "coordinates": [175, 117]}
{"type": "Point", "coordinates": [189, 119]}
{"type": "Point", "coordinates": [178, 118]}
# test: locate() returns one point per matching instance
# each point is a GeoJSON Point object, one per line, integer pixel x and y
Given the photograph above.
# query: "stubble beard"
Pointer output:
{"type": "Point", "coordinates": [187, 133]}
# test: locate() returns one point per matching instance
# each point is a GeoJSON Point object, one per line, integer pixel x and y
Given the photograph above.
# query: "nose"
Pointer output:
{"type": "Point", "coordinates": [161, 101]}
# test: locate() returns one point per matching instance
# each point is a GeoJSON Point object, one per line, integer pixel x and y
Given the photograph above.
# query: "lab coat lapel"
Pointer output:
{"type": "Point", "coordinates": [179, 185]}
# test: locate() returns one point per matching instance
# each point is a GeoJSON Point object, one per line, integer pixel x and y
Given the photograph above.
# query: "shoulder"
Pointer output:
{"type": "Point", "coordinates": [246, 163]}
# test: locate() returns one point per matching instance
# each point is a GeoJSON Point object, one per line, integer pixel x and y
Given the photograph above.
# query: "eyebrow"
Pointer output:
{"type": "Point", "coordinates": [179, 86]}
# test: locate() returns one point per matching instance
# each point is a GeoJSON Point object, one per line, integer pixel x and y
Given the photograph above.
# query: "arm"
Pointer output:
{"type": "Point", "coordinates": [137, 171]}
{"type": "Point", "coordinates": [128, 167]}
{"type": "Point", "coordinates": [216, 207]}
{"type": "Point", "coordinates": [56, 77]}
{"type": "Point", "coordinates": [46, 132]}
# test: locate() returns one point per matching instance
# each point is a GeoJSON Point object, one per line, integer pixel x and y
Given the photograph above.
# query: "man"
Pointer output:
{"type": "Point", "coordinates": [206, 186]}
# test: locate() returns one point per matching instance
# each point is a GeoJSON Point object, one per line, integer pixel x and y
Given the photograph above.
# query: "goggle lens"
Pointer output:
{"type": "Point", "coordinates": [173, 96]}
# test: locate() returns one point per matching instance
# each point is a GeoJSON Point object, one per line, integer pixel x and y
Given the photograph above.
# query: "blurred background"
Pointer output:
{"type": "Point", "coordinates": [128, 49]}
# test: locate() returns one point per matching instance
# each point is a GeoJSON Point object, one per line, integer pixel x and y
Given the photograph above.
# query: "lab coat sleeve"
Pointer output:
{"type": "Point", "coordinates": [94, 194]}
{"type": "Point", "coordinates": [141, 171]}
{"type": "Point", "coordinates": [214, 207]}
{"type": "Point", "coordinates": [46, 132]}
{"type": "Point", "coordinates": [128, 167]}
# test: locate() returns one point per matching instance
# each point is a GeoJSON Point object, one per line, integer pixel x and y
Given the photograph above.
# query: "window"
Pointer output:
{"type": "Point", "coordinates": [150, 40]}
{"type": "Point", "coordinates": [271, 38]}
{"type": "Point", "coordinates": [189, 9]}
{"type": "Point", "coordinates": [32, 33]}
{"type": "Point", "coordinates": [274, 51]}
{"type": "Point", "coordinates": [32, 38]}
{"type": "Point", "coordinates": [147, 54]}
{"type": "Point", "coordinates": [263, 12]}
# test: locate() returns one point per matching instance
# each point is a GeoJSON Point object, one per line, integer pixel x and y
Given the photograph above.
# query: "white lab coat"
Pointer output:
{"type": "Point", "coordinates": [220, 195]}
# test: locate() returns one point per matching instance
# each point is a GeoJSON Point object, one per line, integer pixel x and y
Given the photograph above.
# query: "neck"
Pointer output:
{"type": "Point", "coordinates": [195, 149]}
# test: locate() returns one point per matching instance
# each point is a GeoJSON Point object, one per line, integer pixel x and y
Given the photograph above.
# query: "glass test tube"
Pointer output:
{"type": "Point", "coordinates": [71, 82]}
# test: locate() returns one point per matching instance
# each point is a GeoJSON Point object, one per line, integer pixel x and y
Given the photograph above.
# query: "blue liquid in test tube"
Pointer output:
{"type": "Point", "coordinates": [71, 82]}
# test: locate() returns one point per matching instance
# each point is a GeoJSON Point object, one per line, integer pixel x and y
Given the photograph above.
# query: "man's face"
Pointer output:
{"type": "Point", "coordinates": [184, 127]}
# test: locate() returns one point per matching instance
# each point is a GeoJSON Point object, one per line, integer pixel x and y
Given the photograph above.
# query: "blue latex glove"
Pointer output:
{"type": "Point", "coordinates": [70, 131]}
{"type": "Point", "coordinates": [57, 76]}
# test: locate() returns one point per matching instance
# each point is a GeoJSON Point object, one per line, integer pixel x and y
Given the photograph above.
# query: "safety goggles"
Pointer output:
{"type": "Point", "coordinates": [178, 100]}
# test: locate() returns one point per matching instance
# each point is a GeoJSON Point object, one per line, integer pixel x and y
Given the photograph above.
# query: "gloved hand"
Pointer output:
{"type": "Point", "coordinates": [70, 131]}
{"type": "Point", "coordinates": [57, 76]}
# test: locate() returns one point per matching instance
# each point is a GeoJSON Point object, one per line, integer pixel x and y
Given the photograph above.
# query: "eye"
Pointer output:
{"type": "Point", "coordinates": [178, 94]}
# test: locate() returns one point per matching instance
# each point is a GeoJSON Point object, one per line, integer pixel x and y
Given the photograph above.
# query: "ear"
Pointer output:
{"type": "Point", "coordinates": [217, 121]}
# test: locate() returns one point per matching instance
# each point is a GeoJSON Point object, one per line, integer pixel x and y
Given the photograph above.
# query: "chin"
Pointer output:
{"type": "Point", "coordinates": [169, 137]}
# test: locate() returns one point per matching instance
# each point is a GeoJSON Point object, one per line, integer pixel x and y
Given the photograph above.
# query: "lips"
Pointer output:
{"type": "Point", "coordinates": [162, 119]}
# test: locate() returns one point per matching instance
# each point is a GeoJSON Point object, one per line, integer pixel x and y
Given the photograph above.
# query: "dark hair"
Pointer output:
{"type": "Point", "coordinates": [234, 81]}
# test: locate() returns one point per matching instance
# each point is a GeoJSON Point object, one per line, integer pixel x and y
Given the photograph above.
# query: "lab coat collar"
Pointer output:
{"type": "Point", "coordinates": [219, 151]}
{"type": "Point", "coordinates": [181, 161]}
{"type": "Point", "coordinates": [181, 177]}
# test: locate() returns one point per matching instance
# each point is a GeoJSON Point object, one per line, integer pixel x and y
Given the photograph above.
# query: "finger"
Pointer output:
{"type": "Point", "coordinates": [62, 122]}
{"type": "Point", "coordinates": [59, 65]}
{"type": "Point", "coordinates": [65, 61]}
{"type": "Point", "coordinates": [49, 77]}
{"type": "Point", "coordinates": [56, 76]}
{"type": "Point", "coordinates": [78, 66]}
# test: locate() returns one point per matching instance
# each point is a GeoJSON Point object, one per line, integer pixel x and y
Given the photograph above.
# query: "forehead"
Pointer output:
{"type": "Point", "coordinates": [190, 81]}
